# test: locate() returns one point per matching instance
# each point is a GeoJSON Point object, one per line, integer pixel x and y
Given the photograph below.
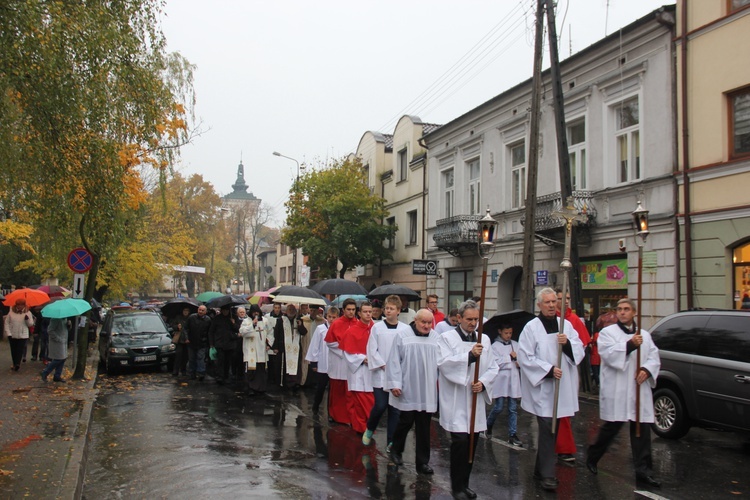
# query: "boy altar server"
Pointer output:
{"type": "Point", "coordinates": [358, 377]}
{"type": "Point", "coordinates": [460, 349]}
{"type": "Point", "coordinates": [506, 390]}
{"type": "Point", "coordinates": [338, 393]}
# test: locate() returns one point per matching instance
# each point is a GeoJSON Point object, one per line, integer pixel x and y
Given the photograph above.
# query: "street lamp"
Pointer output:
{"type": "Point", "coordinates": [640, 226]}
{"type": "Point", "coordinates": [485, 239]}
{"type": "Point", "coordinates": [294, 250]}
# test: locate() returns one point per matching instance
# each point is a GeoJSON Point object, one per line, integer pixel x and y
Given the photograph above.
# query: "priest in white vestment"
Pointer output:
{"type": "Point", "coordinates": [411, 374]}
{"type": "Point", "coordinates": [537, 355]}
{"type": "Point", "coordinates": [620, 380]}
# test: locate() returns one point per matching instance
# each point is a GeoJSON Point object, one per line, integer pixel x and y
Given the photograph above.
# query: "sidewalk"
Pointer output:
{"type": "Point", "coordinates": [43, 429]}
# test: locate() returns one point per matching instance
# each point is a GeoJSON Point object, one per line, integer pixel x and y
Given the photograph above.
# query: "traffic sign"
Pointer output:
{"type": "Point", "coordinates": [80, 260]}
{"type": "Point", "coordinates": [79, 286]}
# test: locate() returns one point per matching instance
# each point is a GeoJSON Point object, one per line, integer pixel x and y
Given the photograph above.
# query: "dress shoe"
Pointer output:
{"type": "Point", "coordinates": [424, 469]}
{"type": "Point", "coordinates": [591, 466]}
{"type": "Point", "coordinates": [58, 379]}
{"type": "Point", "coordinates": [648, 479]}
{"type": "Point", "coordinates": [396, 458]}
{"type": "Point", "coordinates": [550, 483]}
{"type": "Point", "coordinates": [460, 495]}
{"type": "Point", "coordinates": [44, 376]}
{"type": "Point", "coordinates": [567, 457]}
{"type": "Point", "coordinates": [469, 493]}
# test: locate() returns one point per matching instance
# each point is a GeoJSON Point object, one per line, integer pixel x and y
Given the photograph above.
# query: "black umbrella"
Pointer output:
{"type": "Point", "coordinates": [338, 286]}
{"type": "Point", "coordinates": [226, 300]}
{"type": "Point", "coordinates": [517, 318]}
{"type": "Point", "coordinates": [174, 307]}
{"type": "Point", "coordinates": [384, 291]}
{"type": "Point", "coordinates": [95, 304]}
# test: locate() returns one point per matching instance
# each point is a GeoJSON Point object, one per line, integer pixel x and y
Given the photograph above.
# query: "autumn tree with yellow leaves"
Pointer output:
{"type": "Point", "coordinates": [88, 97]}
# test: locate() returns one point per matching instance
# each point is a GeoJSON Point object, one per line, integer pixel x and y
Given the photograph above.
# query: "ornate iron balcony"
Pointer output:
{"type": "Point", "coordinates": [458, 233]}
{"type": "Point", "coordinates": [548, 204]}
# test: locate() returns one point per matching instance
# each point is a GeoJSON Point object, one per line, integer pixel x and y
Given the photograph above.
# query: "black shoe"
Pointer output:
{"type": "Point", "coordinates": [515, 441]}
{"type": "Point", "coordinates": [567, 457]}
{"type": "Point", "coordinates": [488, 433]}
{"type": "Point", "coordinates": [591, 466]}
{"type": "Point", "coordinates": [58, 379]}
{"type": "Point", "coordinates": [396, 458]}
{"type": "Point", "coordinates": [469, 493]}
{"type": "Point", "coordinates": [201, 377]}
{"type": "Point", "coordinates": [423, 468]}
{"type": "Point", "coordinates": [44, 376]}
{"type": "Point", "coordinates": [460, 495]}
{"type": "Point", "coordinates": [33, 358]}
{"type": "Point", "coordinates": [648, 479]}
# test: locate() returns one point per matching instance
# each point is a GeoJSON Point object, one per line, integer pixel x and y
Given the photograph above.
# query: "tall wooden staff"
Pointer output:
{"type": "Point", "coordinates": [640, 219]}
{"type": "Point", "coordinates": [487, 226]}
{"type": "Point", "coordinates": [570, 216]}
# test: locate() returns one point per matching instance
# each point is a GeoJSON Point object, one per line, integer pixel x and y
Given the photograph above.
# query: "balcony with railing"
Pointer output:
{"type": "Point", "coordinates": [546, 223]}
{"type": "Point", "coordinates": [458, 234]}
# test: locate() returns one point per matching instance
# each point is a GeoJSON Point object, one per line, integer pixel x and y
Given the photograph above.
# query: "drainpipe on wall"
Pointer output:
{"type": "Point", "coordinates": [686, 162]}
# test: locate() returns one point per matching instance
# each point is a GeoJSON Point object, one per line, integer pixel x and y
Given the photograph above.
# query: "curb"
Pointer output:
{"type": "Point", "coordinates": [75, 469]}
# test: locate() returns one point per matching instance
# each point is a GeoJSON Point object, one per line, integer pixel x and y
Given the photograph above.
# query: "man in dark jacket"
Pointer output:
{"type": "Point", "coordinates": [196, 329]}
{"type": "Point", "coordinates": [222, 335]}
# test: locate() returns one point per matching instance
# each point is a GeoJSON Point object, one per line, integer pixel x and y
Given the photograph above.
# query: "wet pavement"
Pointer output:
{"type": "Point", "coordinates": [156, 436]}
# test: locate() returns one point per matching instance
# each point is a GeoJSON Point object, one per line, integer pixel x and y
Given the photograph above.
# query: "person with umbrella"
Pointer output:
{"type": "Point", "coordinates": [196, 330]}
{"type": "Point", "coordinates": [221, 336]}
{"type": "Point", "coordinates": [460, 349]}
{"type": "Point", "coordinates": [16, 329]}
{"type": "Point", "coordinates": [287, 334]}
{"type": "Point", "coordinates": [180, 341]}
{"type": "Point", "coordinates": [57, 332]}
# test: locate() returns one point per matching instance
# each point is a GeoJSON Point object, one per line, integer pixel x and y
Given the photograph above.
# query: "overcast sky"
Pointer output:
{"type": "Point", "coordinates": [308, 79]}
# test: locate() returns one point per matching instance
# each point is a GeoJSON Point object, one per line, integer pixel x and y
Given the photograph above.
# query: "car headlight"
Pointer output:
{"type": "Point", "coordinates": [167, 348]}
{"type": "Point", "coordinates": [118, 350]}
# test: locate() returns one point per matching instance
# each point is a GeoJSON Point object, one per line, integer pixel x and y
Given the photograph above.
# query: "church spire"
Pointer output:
{"type": "Point", "coordinates": [240, 186]}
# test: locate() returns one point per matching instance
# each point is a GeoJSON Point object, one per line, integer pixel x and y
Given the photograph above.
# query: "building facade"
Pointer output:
{"type": "Point", "coordinates": [619, 112]}
{"type": "Point", "coordinates": [713, 96]}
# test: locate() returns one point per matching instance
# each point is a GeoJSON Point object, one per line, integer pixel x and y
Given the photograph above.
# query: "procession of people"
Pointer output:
{"type": "Point", "coordinates": [448, 369]}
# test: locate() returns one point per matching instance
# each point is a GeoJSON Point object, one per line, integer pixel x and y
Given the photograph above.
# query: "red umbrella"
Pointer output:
{"type": "Point", "coordinates": [33, 297]}
{"type": "Point", "coordinates": [54, 290]}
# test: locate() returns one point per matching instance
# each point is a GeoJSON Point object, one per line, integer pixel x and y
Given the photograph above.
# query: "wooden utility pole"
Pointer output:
{"type": "Point", "coordinates": [566, 185]}
{"type": "Point", "coordinates": [527, 278]}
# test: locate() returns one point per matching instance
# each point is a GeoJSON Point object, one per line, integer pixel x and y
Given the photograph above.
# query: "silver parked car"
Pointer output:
{"type": "Point", "coordinates": [705, 372]}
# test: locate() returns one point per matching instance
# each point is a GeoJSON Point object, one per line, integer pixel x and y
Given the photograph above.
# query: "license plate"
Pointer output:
{"type": "Point", "coordinates": [139, 359]}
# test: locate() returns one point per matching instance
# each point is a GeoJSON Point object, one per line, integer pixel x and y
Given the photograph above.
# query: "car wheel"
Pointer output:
{"type": "Point", "coordinates": [670, 418]}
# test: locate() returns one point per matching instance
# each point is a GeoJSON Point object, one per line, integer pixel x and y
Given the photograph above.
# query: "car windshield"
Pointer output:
{"type": "Point", "coordinates": [138, 324]}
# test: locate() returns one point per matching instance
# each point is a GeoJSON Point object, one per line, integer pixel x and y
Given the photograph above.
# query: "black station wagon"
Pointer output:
{"type": "Point", "coordinates": [133, 338]}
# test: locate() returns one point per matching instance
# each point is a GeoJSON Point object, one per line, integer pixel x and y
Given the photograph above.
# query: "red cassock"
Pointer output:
{"type": "Point", "coordinates": [360, 402]}
{"type": "Point", "coordinates": [338, 392]}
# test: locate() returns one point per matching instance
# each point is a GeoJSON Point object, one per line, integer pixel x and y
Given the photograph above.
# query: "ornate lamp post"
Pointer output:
{"type": "Point", "coordinates": [640, 225]}
{"type": "Point", "coordinates": [294, 250]}
{"type": "Point", "coordinates": [485, 241]}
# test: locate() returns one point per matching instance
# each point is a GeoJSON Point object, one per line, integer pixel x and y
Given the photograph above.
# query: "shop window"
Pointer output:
{"type": "Point", "coordinates": [741, 263]}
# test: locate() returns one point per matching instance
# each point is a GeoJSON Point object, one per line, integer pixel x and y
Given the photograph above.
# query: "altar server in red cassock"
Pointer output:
{"type": "Point", "coordinates": [359, 378]}
{"type": "Point", "coordinates": [337, 368]}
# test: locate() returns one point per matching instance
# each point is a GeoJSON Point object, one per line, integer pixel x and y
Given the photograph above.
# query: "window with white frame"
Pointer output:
{"type": "Point", "coordinates": [472, 167]}
{"type": "Point", "coordinates": [412, 218]}
{"type": "Point", "coordinates": [518, 174]}
{"type": "Point", "coordinates": [403, 165]}
{"type": "Point", "coordinates": [628, 140]}
{"type": "Point", "coordinates": [577, 154]}
{"type": "Point", "coordinates": [448, 190]}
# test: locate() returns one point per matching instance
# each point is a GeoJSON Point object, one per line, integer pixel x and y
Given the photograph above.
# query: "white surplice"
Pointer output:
{"type": "Point", "coordinates": [618, 387]}
{"type": "Point", "coordinates": [455, 379]}
{"type": "Point", "coordinates": [379, 349]}
{"type": "Point", "coordinates": [318, 350]}
{"type": "Point", "coordinates": [508, 380]}
{"type": "Point", "coordinates": [537, 355]}
{"type": "Point", "coordinates": [412, 367]}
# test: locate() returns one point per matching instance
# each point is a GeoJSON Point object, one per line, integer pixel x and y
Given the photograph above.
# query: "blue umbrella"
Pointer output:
{"type": "Point", "coordinates": [341, 298]}
{"type": "Point", "coordinates": [65, 308]}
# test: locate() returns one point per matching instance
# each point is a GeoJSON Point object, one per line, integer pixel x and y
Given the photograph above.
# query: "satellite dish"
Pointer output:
{"type": "Point", "coordinates": [268, 269]}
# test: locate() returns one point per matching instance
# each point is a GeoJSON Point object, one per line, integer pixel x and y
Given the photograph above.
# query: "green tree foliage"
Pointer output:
{"type": "Point", "coordinates": [333, 217]}
{"type": "Point", "coordinates": [88, 96]}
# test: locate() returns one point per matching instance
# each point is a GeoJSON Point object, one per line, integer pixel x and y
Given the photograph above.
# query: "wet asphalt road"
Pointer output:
{"type": "Point", "coordinates": [159, 437]}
